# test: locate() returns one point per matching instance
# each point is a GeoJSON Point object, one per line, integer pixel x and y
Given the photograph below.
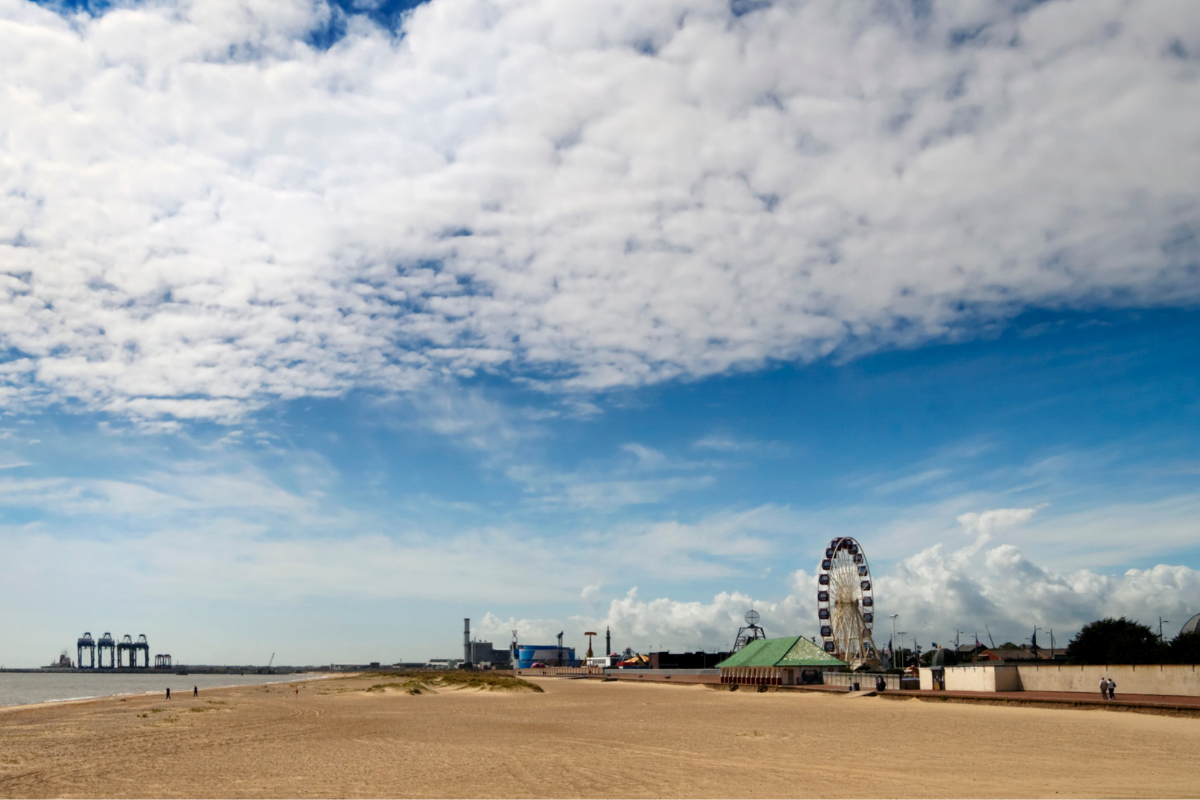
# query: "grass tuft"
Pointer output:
{"type": "Point", "coordinates": [424, 682]}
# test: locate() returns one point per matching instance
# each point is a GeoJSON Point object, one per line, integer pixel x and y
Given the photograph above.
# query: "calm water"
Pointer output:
{"type": "Point", "coordinates": [19, 688]}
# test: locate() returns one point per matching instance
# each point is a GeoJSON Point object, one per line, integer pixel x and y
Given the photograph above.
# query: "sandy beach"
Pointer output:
{"type": "Point", "coordinates": [582, 739]}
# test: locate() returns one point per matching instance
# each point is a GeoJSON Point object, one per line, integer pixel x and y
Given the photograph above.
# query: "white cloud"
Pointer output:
{"type": "Point", "coordinates": [670, 624]}
{"type": "Point", "coordinates": [647, 457]}
{"type": "Point", "coordinates": [590, 594]}
{"type": "Point", "coordinates": [235, 535]}
{"type": "Point", "coordinates": [912, 481]}
{"type": "Point", "coordinates": [200, 213]}
{"type": "Point", "coordinates": [934, 591]}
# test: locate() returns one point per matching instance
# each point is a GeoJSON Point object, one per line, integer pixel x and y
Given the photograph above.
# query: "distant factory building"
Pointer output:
{"type": "Point", "coordinates": [550, 655]}
{"type": "Point", "coordinates": [778, 662]}
{"type": "Point", "coordinates": [483, 654]}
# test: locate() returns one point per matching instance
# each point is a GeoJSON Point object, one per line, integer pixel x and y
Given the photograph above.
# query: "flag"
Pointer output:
{"type": "Point", "coordinates": [1033, 642]}
{"type": "Point", "coordinates": [890, 651]}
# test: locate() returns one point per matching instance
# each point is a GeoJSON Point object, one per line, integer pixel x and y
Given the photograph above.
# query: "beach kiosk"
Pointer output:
{"type": "Point", "coordinates": [789, 661]}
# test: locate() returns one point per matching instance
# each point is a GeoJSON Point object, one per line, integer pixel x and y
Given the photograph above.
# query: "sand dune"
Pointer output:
{"type": "Point", "coordinates": [583, 739]}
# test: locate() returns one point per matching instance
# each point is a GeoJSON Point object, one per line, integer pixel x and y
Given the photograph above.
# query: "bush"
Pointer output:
{"type": "Point", "coordinates": [1185, 649]}
{"type": "Point", "coordinates": [1116, 641]}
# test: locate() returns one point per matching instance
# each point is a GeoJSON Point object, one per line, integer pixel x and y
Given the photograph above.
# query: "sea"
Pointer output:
{"type": "Point", "coordinates": [21, 688]}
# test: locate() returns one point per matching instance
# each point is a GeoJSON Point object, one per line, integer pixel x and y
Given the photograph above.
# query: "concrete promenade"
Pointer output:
{"type": "Point", "coordinates": [1172, 704]}
{"type": "Point", "coordinates": [1128, 702]}
{"type": "Point", "coordinates": [1189, 706]}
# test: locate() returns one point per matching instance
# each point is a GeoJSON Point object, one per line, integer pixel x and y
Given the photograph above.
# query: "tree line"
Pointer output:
{"type": "Point", "coordinates": [1124, 641]}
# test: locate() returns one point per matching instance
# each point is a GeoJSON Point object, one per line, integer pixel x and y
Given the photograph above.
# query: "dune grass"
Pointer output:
{"type": "Point", "coordinates": [427, 682]}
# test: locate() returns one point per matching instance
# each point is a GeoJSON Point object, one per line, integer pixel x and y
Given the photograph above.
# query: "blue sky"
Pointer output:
{"type": "Point", "coordinates": [327, 329]}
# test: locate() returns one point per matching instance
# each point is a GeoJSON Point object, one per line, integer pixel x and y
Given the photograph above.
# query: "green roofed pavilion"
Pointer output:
{"type": "Point", "coordinates": [775, 662]}
{"type": "Point", "coordinates": [790, 651]}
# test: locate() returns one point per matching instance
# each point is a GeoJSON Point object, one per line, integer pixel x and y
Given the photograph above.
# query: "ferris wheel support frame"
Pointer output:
{"type": "Point", "coordinates": [846, 603]}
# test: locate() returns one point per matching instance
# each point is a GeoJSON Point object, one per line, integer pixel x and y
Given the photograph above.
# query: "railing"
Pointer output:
{"type": "Point", "coordinates": [633, 672]}
{"type": "Point", "coordinates": [616, 672]}
{"type": "Point", "coordinates": [561, 671]}
{"type": "Point", "coordinates": [864, 679]}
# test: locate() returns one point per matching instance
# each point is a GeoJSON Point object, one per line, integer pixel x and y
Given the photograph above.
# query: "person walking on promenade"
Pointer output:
{"type": "Point", "coordinates": [1104, 688]}
{"type": "Point", "coordinates": [1112, 689]}
{"type": "Point", "coordinates": [168, 692]}
{"type": "Point", "coordinates": [195, 691]}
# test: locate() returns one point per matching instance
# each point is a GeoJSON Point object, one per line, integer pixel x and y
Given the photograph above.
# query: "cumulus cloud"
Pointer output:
{"type": "Point", "coordinates": [170, 533]}
{"type": "Point", "coordinates": [934, 591]}
{"type": "Point", "coordinates": [200, 212]}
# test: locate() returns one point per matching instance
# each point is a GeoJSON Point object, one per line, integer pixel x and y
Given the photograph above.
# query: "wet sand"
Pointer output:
{"type": "Point", "coordinates": [583, 739]}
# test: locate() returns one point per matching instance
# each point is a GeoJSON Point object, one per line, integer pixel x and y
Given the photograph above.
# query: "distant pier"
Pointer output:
{"type": "Point", "coordinates": [123, 657]}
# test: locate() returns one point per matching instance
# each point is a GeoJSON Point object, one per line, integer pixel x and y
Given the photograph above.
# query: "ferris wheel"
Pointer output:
{"type": "Point", "coordinates": [846, 603]}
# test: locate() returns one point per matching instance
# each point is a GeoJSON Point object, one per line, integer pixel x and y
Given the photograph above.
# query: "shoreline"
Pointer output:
{"type": "Point", "coordinates": [65, 701]}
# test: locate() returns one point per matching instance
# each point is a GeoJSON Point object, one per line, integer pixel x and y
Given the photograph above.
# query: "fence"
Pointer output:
{"type": "Point", "coordinates": [864, 679]}
{"type": "Point", "coordinates": [582, 671]}
{"type": "Point", "coordinates": [648, 672]}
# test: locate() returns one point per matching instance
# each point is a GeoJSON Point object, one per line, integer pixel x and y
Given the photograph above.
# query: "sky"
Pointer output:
{"type": "Point", "coordinates": [327, 325]}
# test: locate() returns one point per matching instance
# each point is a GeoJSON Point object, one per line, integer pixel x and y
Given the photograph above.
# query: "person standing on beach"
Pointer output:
{"type": "Point", "coordinates": [1112, 689]}
{"type": "Point", "coordinates": [195, 691]}
{"type": "Point", "coordinates": [168, 692]}
{"type": "Point", "coordinates": [1103, 688]}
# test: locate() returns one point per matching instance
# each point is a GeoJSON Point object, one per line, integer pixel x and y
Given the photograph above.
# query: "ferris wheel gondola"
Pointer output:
{"type": "Point", "coordinates": [846, 604]}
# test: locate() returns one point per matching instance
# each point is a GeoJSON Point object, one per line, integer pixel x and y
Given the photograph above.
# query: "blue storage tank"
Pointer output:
{"type": "Point", "coordinates": [527, 654]}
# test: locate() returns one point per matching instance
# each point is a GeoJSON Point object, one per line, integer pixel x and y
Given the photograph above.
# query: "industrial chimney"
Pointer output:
{"type": "Point", "coordinates": [467, 640]}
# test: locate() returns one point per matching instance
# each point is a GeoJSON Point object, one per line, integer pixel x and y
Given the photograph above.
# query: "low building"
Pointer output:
{"type": "Point", "coordinates": [1022, 653]}
{"type": "Point", "coordinates": [788, 661]}
{"type": "Point", "coordinates": [548, 655]}
{"type": "Point", "coordinates": [686, 660]}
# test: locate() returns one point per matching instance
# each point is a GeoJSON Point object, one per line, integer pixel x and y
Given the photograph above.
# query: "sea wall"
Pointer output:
{"type": "Point", "coordinates": [1164, 679]}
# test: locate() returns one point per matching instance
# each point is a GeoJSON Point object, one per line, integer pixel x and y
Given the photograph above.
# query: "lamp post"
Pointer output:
{"type": "Point", "coordinates": [893, 653]}
{"type": "Point", "coordinates": [1160, 624]}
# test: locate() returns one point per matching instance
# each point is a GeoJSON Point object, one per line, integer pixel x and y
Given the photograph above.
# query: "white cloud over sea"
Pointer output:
{"type": "Point", "coordinates": [200, 212]}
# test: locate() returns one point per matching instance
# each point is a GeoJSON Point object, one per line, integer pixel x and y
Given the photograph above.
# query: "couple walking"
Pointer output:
{"type": "Point", "coordinates": [1108, 689]}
